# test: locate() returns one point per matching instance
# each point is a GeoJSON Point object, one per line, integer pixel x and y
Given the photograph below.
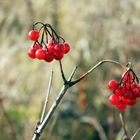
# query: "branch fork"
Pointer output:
{"type": "Point", "coordinates": [67, 84]}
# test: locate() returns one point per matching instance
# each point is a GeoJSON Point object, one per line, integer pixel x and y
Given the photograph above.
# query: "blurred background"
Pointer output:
{"type": "Point", "coordinates": [96, 30]}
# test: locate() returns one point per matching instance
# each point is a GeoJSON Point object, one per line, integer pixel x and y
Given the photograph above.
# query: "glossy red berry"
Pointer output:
{"type": "Point", "coordinates": [40, 54]}
{"type": "Point", "coordinates": [126, 92]}
{"type": "Point", "coordinates": [121, 106]}
{"type": "Point", "coordinates": [33, 35]}
{"type": "Point", "coordinates": [45, 48]}
{"type": "Point", "coordinates": [118, 91]}
{"type": "Point", "coordinates": [128, 101]}
{"type": "Point", "coordinates": [31, 53]}
{"type": "Point", "coordinates": [59, 48]}
{"type": "Point", "coordinates": [36, 47]}
{"type": "Point", "coordinates": [51, 49]}
{"type": "Point", "coordinates": [127, 77]}
{"type": "Point", "coordinates": [112, 84]}
{"type": "Point", "coordinates": [49, 57]}
{"type": "Point", "coordinates": [58, 56]}
{"type": "Point", "coordinates": [114, 99]}
{"type": "Point", "coordinates": [66, 48]}
{"type": "Point", "coordinates": [51, 42]}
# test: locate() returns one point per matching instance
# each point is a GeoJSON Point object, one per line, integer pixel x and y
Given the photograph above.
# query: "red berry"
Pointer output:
{"type": "Point", "coordinates": [36, 47]}
{"type": "Point", "coordinates": [66, 48]}
{"type": "Point", "coordinates": [121, 106]}
{"type": "Point", "coordinates": [123, 90]}
{"type": "Point", "coordinates": [135, 90]}
{"type": "Point", "coordinates": [45, 48]}
{"type": "Point", "coordinates": [51, 42]}
{"type": "Point", "coordinates": [59, 48]}
{"type": "Point", "coordinates": [49, 57]}
{"type": "Point", "coordinates": [118, 91]}
{"type": "Point", "coordinates": [40, 54]}
{"type": "Point", "coordinates": [128, 85]}
{"type": "Point", "coordinates": [112, 84]}
{"type": "Point", "coordinates": [132, 96]}
{"type": "Point", "coordinates": [114, 99]}
{"type": "Point", "coordinates": [134, 85]}
{"type": "Point", "coordinates": [131, 102]}
{"type": "Point", "coordinates": [33, 35]}
{"type": "Point", "coordinates": [127, 94]}
{"type": "Point", "coordinates": [137, 95]}
{"type": "Point", "coordinates": [128, 77]}
{"type": "Point", "coordinates": [128, 101]}
{"type": "Point", "coordinates": [31, 53]}
{"type": "Point", "coordinates": [51, 49]}
{"type": "Point", "coordinates": [58, 56]}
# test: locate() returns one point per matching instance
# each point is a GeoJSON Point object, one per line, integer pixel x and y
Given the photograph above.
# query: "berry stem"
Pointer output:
{"type": "Point", "coordinates": [42, 37]}
{"type": "Point", "coordinates": [38, 43]}
{"type": "Point", "coordinates": [59, 37]}
{"type": "Point", "coordinates": [129, 65]}
{"type": "Point", "coordinates": [35, 24]}
{"type": "Point", "coordinates": [93, 68]}
{"type": "Point", "coordinates": [62, 73]}
{"type": "Point", "coordinates": [48, 25]}
{"type": "Point", "coordinates": [38, 23]}
{"type": "Point", "coordinates": [47, 31]}
{"type": "Point", "coordinates": [54, 35]}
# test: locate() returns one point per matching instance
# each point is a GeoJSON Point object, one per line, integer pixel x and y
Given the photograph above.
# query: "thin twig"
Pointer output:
{"type": "Point", "coordinates": [93, 68]}
{"type": "Point", "coordinates": [125, 137]}
{"type": "Point", "coordinates": [41, 127]}
{"type": "Point", "coordinates": [138, 130]}
{"type": "Point", "coordinates": [62, 72]}
{"type": "Point", "coordinates": [72, 74]}
{"type": "Point", "coordinates": [47, 97]}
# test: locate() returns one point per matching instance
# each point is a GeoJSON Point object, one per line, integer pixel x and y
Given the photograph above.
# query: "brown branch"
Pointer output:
{"type": "Point", "coordinates": [93, 68]}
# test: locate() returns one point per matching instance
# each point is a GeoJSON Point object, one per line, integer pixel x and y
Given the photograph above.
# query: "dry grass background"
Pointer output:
{"type": "Point", "coordinates": [96, 30]}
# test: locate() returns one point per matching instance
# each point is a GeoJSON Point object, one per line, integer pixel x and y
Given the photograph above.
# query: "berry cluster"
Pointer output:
{"type": "Point", "coordinates": [125, 92]}
{"type": "Point", "coordinates": [48, 45]}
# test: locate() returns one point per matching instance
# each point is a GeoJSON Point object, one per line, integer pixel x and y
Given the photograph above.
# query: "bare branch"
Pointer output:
{"type": "Point", "coordinates": [138, 130]}
{"type": "Point", "coordinates": [72, 74]}
{"type": "Point", "coordinates": [41, 127]}
{"type": "Point", "coordinates": [66, 86]}
{"type": "Point", "coordinates": [93, 68]}
{"type": "Point", "coordinates": [47, 97]}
